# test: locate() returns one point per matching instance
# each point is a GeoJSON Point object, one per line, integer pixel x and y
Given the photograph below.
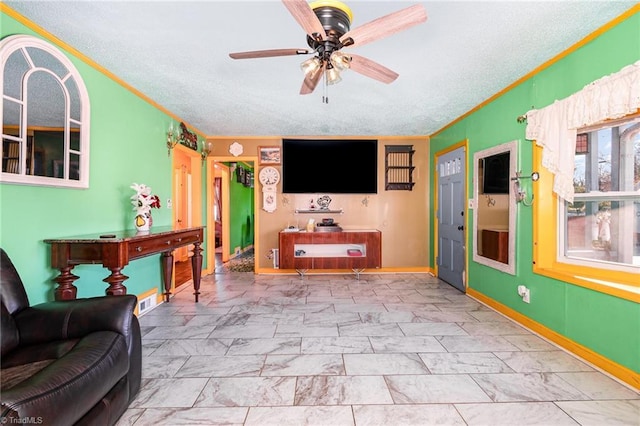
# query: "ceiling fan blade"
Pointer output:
{"type": "Point", "coordinates": [309, 84]}
{"type": "Point", "coordinates": [268, 53]}
{"type": "Point", "coordinates": [387, 25]}
{"type": "Point", "coordinates": [372, 69]}
{"type": "Point", "coordinates": [305, 16]}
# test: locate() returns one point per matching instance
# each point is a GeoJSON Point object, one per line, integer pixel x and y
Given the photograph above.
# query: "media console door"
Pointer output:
{"type": "Point", "coordinates": [330, 250]}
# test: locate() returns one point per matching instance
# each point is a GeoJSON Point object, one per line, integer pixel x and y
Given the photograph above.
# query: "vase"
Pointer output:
{"type": "Point", "coordinates": [143, 221]}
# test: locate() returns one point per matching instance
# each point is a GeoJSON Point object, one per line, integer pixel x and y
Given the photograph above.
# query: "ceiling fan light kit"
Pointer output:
{"type": "Point", "coordinates": [333, 76]}
{"type": "Point", "coordinates": [327, 24]}
{"type": "Point", "coordinates": [311, 66]}
{"type": "Point", "coordinates": [340, 60]}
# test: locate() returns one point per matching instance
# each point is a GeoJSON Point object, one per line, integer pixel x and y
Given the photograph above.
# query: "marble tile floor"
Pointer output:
{"type": "Point", "coordinates": [397, 349]}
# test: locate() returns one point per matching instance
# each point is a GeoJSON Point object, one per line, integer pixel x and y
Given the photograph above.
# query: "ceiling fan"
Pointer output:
{"type": "Point", "coordinates": [328, 27]}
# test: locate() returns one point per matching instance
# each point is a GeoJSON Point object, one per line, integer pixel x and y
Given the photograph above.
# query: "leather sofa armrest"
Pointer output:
{"type": "Point", "coordinates": [75, 318]}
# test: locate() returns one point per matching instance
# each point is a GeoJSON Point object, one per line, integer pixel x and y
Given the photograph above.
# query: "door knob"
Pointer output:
{"type": "Point", "coordinates": [461, 228]}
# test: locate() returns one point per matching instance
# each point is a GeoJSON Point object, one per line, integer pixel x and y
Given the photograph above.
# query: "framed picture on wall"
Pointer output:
{"type": "Point", "coordinates": [269, 155]}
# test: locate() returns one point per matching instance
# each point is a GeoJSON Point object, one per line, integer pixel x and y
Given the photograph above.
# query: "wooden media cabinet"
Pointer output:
{"type": "Point", "coordinates": [356, 250]}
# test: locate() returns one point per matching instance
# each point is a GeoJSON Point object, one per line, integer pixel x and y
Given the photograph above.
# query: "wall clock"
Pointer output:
{"type": "Point", "coordinates": [269, 178]}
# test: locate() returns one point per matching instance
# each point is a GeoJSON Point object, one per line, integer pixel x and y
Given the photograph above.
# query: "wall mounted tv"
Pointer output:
{"type": "Point", "coordinates": [495, 173]}
{"type": "Point", "coordinates": [333, 166]}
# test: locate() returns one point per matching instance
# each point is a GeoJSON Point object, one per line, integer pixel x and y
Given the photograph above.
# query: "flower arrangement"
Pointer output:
{"type": "Point", "coordinates": [143, 201]}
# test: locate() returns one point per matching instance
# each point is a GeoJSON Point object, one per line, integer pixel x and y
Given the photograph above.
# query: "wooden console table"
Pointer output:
{"type": "Point", "coordinates": [114, 250]}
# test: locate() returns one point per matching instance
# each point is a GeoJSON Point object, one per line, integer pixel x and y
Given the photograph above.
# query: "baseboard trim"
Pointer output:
{"type": "Point", "coordinates": [618, 371]}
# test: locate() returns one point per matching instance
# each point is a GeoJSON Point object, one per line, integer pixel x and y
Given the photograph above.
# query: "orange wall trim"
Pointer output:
{"type": "Point", "coordinates": [623, 373]}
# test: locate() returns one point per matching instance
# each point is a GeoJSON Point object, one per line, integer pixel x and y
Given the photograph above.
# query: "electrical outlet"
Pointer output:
{"type": "Point", "coordinates": [472, 203]}
{"type": "Point", "coordinates": [525, 293]}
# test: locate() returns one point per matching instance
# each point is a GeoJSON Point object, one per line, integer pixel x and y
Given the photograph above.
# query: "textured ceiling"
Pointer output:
{"type": "Point", "coordinates": [176, 53]}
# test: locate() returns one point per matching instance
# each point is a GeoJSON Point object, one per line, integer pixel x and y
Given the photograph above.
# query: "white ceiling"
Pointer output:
{"type": "Point", "coordinates": [176, 53]}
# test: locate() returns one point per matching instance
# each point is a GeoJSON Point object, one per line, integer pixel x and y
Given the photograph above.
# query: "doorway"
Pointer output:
{"type": "Point", "coordinates": [231, 214]}
{"type": "Point", "coordinates": [451, 216]}
{"type": "Point", "coordinates": [187, 170]}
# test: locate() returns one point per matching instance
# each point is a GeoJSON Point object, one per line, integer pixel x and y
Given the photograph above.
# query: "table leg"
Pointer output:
{"type": "Point", "coordinates": [115, 280]}
{"type": "Point", "coordinates": [196, 269]}
{"type": "Point", "coordinates": [66, 290]}
{"type": "Point", "coordinates": [167, 272]}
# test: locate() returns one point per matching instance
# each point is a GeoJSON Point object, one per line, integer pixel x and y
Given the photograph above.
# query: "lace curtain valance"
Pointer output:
{"type": "Point", "coordinates": [555, 126]}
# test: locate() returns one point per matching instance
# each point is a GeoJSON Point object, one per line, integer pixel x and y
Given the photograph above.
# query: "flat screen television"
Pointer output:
{"type": "Point", "coordinates": [495, 173]}
{"type": "Point", "coordinates": [333, 166]}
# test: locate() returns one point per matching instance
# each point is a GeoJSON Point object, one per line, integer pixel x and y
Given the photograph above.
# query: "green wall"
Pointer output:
{"type": "Point", "coordinates": [242, 221]}
{"type": "Point", "coordinates": [605, 324]}
{"type": "Point", "coordinates": [127, 145]}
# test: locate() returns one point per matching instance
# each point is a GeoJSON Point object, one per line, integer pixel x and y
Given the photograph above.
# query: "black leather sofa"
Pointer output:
{"type": "Point", "coordinates": [68, 362]}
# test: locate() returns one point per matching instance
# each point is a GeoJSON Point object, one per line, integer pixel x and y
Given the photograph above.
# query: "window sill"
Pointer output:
{"type": "Point", "coordinates": [42, 181]}
{"type": "Point", "coordinates": [622, 290]}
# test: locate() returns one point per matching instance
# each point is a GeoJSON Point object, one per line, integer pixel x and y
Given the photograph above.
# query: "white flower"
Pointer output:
{"type": "Point", "coordinates": [142, 199]}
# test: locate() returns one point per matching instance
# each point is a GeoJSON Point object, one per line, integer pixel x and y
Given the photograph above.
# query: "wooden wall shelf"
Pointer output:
{"type": "Point", "coordinates": [398, 167]}
{"type": "Point", "coordinates": [318, 211]}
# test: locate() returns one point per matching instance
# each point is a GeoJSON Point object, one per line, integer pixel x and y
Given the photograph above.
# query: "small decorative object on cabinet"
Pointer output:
{"type": "Point", "coordinates": [324, 202]}
{"type": "Point", "coordinates": [143, 221]}
{"type": "Point", "coordinates": [398, 167]}
{"type": "Point", "coordinates": [143, 201]}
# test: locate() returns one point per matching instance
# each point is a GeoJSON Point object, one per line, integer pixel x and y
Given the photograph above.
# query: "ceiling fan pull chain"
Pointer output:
{"type": "Point", "coordinates": [325, 94]}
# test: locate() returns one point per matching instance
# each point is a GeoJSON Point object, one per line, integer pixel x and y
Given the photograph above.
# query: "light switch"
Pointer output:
{"type": "Point", "coordinates": [169, 203]}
